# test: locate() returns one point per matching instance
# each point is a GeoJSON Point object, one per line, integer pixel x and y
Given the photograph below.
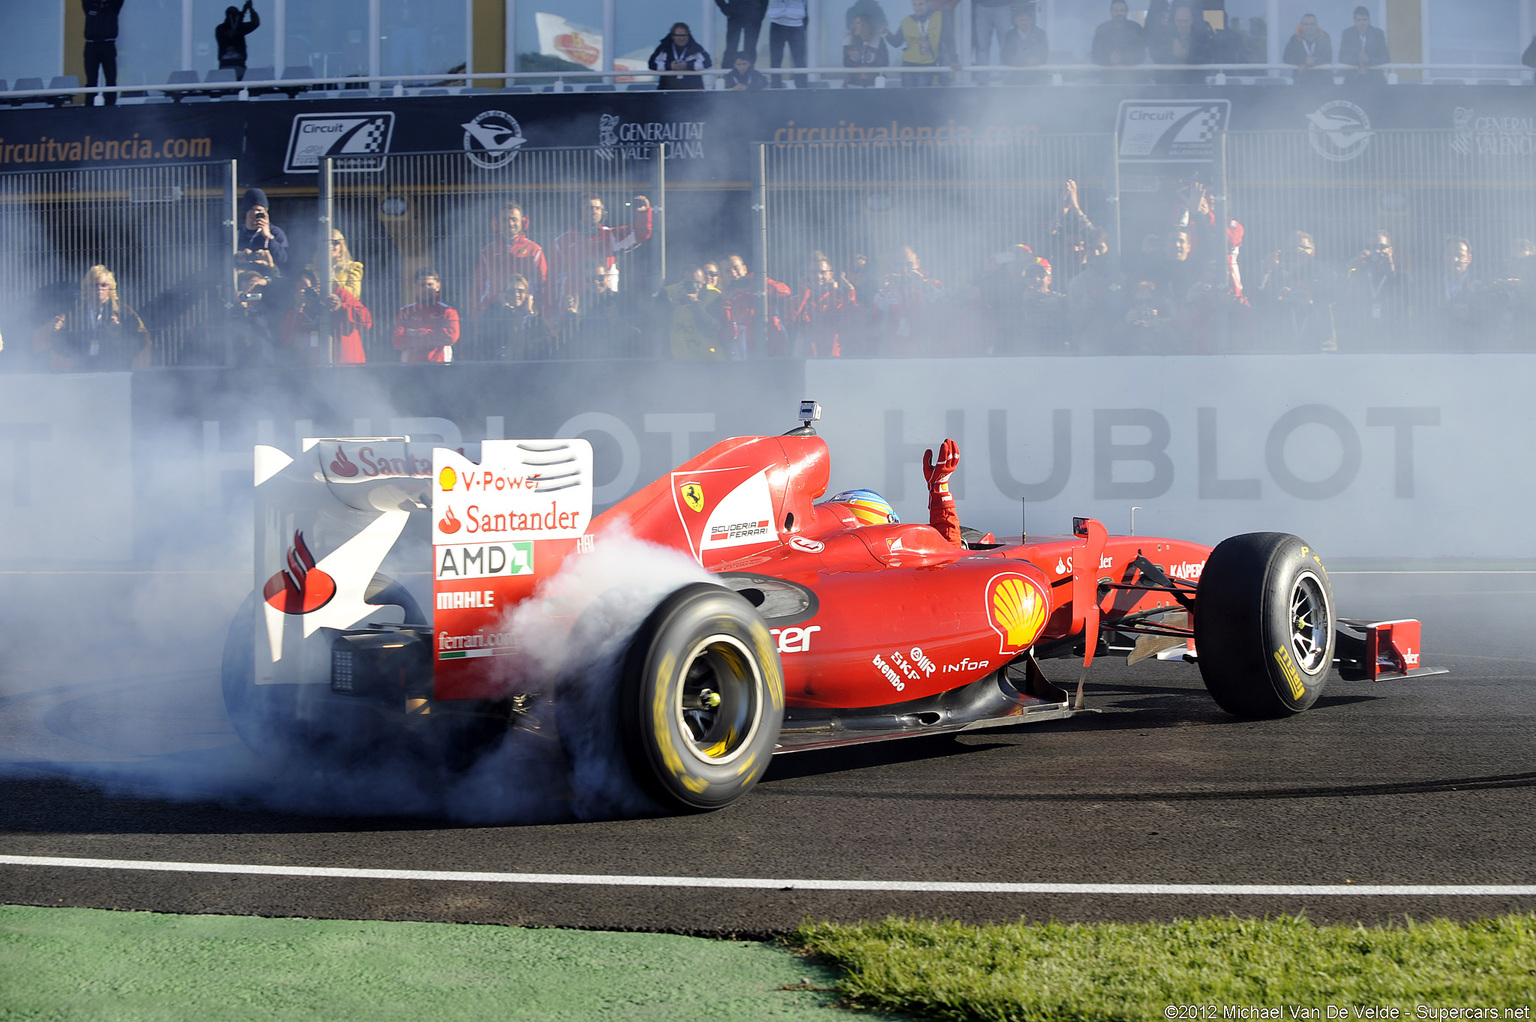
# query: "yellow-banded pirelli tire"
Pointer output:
{"type": "Point", "coordinates": [1264, 625]}
{"type": "Point", "coordinates": [701, 699]}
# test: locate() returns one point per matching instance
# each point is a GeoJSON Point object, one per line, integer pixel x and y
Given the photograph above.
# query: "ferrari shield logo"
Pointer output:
{"type": "Point", "coordinates": [693, 496]}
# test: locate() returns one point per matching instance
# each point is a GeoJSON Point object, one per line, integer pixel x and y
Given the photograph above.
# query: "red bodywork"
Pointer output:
{"type": "Point", "coordinates": [897, 613]}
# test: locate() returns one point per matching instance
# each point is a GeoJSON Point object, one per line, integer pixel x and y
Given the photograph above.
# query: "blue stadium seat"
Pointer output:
{"type": "Point", "coordinates": [297, 72]}
{"type": "Point", "coordinates": [180, 78]}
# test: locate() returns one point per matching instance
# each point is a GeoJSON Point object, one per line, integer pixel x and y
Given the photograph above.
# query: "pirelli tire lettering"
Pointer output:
{"type": "Point", "coordinates": [1264, 625]}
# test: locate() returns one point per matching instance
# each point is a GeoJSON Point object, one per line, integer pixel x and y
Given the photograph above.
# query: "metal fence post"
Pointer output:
{"type": "Point", "coordinates": [323, 263]}
{"type": "Point", "coordinates": [659, 212]}
{"type": "Point", "coordinates": [231, 225]}
{"type": "Point", "coordinates": [1114, 198]}
{"type": "Point", "coordinates": [760, 207]}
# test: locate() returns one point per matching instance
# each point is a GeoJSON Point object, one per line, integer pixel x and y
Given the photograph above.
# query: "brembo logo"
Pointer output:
{"type": "Point", "coordinates": [300, 587]}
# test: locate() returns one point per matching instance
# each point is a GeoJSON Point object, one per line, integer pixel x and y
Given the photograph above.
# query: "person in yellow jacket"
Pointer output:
{"type": "Point", "coordinates": [696, 326]}
{"type": "Point", "coordinates": [926, 39]}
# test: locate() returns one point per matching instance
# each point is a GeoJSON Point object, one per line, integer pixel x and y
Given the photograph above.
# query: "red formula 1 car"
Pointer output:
{"type": "Point", "coordinates": [815, 629]}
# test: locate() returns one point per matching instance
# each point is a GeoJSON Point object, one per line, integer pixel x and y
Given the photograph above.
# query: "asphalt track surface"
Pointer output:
{"type": "Point", "coordinates": [1403, 798]}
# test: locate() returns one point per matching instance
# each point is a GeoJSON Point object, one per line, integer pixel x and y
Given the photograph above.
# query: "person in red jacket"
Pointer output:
{"type": "Point", "coordinates": [743, 296]}
{"type": "Point", "coordinates": [823, 311]}
{"type": "Point", "coordinates": [425, 330]}
{"type": "Point", "coordinates": [304, 330]}
{"type": "Point", "coordinates": [512, 254]}
{"type": "Point", "coordinates": [589, 241]}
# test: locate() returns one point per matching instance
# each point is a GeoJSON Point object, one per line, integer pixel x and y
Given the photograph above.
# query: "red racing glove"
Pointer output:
{"type": "Point", "coordinates": [941, 503]}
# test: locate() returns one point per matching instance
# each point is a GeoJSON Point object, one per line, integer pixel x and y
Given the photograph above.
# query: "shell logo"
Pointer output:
{"type": "Point", "coordinates": [1016, 608]}
{"type": "Point", "coordinates": [447, 479]}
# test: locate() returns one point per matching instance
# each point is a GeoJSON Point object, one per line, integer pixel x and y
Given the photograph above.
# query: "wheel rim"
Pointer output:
{"type": "Point", "coordinates": [718, 704]}
{"type": "Point", "coordinates": [1309, 623]}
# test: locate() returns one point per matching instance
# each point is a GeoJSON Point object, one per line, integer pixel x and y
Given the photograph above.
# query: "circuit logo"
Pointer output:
{"type": "Point", "coordinates": [1339, 130]}
{"type": "Point", "coordinates": [1016, 609]}
{"type": "Point", "coordinates": [300, 587]}
{"type": "Point", "coordinates": [357, 141]}
{"type": "Point", "coordinates": [492, 139]}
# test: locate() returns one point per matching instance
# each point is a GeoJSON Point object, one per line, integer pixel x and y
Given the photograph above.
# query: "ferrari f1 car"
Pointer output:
{"type": "Point", "coordinates": [815, 629]}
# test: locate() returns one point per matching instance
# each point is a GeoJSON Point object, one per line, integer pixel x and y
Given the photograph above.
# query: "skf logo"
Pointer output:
{"type": "Point", "coordinates": [693, 496]}
{"type": "Point", "coordinates": [358, 142]}
{"type": "Point", "coordinates": [300, 587]}
{"type": "Point", "coordinates": [1016, 609]}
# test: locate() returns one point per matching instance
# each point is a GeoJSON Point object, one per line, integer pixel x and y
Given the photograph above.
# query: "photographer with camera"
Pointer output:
{"type": "Point", "coordinates": [325, 329]}
{"type": "Point", "coordinates": [823, 312]}
{"type": "Point", "coordinates": [1295, 297]}
{"type": "Point", "coordinates": [908, 306]}
{"type": "Point", "coordinates": [230, 36]}
{"type": "Point", "coordinates": [261, 246]}
{"type": "Point", "coordinates": [1373, 310]}
{"type": "Point", "coordinates": [512, 329]}
{"type": "Point", "coordinates": [694, 320]}
{"type": "Point", "coordinates": [250, 327]}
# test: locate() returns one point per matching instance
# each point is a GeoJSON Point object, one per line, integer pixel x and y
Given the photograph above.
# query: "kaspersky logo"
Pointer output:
{"type": "Point", "coordinates": [300, 587]}
{"type": "Point", "coordinates": [1016, 609]}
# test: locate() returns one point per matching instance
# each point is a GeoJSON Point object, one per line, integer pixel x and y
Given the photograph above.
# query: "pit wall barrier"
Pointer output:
{"type": "Point", "coordinates": [1364, 457]}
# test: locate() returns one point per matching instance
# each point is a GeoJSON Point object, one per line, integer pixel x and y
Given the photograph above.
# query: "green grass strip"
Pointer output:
{"type": "Point", "coordinates": [1215, 967]}
{"type": "Point", "coordinates": [67, 963]}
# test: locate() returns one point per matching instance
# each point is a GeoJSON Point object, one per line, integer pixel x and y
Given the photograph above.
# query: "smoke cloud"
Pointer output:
{"type": "Point", "coordinates": [110, 677]}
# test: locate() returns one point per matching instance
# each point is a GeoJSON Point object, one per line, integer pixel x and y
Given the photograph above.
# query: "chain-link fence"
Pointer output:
{"type": "Point", "coordinates": [165, 233]}
{"type": "Point", "coordinates": [1428, 190]}
{"type": "Point", "coordinates": [958, 203]}
{"type": "Point", "coordinates": [440, 211]}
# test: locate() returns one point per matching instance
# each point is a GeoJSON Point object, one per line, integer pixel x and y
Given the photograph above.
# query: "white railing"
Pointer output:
{"type": "Point", "coordinates": [829, 76]}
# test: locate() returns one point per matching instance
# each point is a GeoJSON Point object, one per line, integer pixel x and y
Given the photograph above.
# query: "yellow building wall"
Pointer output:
{"type": "Point", "coordinates": [490, 39]}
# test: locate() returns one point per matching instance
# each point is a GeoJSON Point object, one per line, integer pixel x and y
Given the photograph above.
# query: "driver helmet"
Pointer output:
{"type": "Point", "coordinates": [867, 506]}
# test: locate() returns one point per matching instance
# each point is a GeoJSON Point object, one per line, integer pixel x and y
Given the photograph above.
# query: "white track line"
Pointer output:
{"type": "Point", "coordinates": [767, 884]}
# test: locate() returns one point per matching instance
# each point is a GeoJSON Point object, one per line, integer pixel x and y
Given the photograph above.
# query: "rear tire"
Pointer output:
{"type": "Point", "coordinates": [701, 699]}
{"type": "Point", "coordinates": [1264, 625]}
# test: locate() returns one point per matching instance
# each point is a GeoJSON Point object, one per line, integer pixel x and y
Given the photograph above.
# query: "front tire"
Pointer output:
{"type": "Point", "coordinates": [1264, 625]}
{"type": "Point", "coordinates": [701, 699]}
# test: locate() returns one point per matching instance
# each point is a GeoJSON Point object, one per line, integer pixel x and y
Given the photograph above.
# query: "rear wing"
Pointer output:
{"type": "Point", "coordinates": [501, 514]}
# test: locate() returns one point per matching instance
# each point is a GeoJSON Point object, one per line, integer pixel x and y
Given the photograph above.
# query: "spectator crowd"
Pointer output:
{"type": "Point", "coordinates": [1192, 285]}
